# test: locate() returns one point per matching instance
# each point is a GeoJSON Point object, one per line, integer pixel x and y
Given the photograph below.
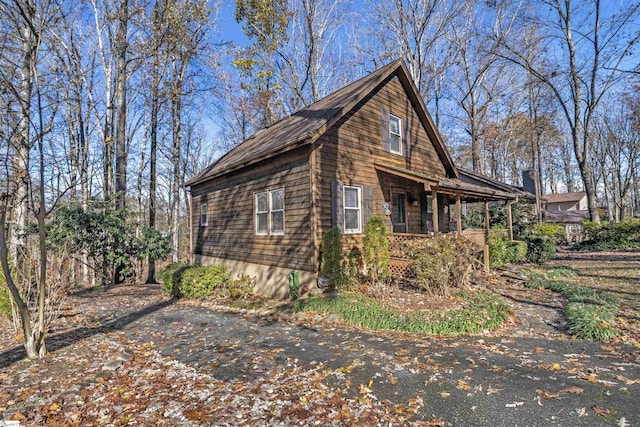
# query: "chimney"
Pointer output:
{"type": "Point", "coordinates": [529, 182]}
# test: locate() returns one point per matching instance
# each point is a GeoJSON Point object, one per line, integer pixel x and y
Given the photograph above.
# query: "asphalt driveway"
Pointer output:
{"type": "Point", "coordinates": [463, 381]}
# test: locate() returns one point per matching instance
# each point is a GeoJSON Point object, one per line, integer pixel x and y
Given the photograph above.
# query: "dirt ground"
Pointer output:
{"type": "Point", "coordinates": [130, 355]}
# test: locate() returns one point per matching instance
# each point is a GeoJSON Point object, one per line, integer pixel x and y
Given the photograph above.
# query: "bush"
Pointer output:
{"type": "Point", "coordinates": [605, 236]}
{"type": "Point", "coordinates": [376, 249]}
{"type": "Point", "coordinates": [540, 249]}
{"type": "Point", "coordinates": [203, 281]}
{"type": "Point", "coordinates": [331, 257]}
{"type": "Point", "coordinates": [503, 251]}
{"type": "Point", "coordinates": [239, 288]}
{"type": "Point", "coordinates": [171, 277]}
{"type": "Point", "coordinates": [180, 280]}
{"type": "Point", "coordinates": [443, 263]}
{"type": "Point", "coordinates": [107, 236]}
{"type": "Point", "coordinates": [5, 299]}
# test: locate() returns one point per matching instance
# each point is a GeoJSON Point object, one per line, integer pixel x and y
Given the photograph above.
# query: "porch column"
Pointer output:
{"type": "Point", "coordinates": [509, 220]}
{"type": "Point", "coordinates": [487, 224]}
{"type": "Point", "coordinates": [485, 248]}
{"type": "Point", "coordinates": [434, 208]}
{"type": "Point", "coordinates": [458, 214]}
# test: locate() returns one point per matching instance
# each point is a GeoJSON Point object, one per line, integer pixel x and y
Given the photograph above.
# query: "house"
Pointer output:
{"type": "Point", "coordinates": [370, 148]}
{"type": "Point", "coordinates": [568, 210]}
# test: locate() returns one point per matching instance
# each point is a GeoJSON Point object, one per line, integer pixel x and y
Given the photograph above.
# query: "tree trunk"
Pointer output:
{"type": "Point", "coordinates": [22, 150]}
{"type": "Point", "coordinates": [152, 160]}
{"type": "Point", "coordinates": [121, 107]}
{"type": "Point", "coordinates": [176, 105]}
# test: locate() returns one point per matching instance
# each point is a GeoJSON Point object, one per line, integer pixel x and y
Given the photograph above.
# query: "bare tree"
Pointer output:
{"type": "Point", "coordinates": [587, 50]}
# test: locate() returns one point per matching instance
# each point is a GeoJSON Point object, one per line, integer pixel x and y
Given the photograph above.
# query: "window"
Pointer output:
{"type": "Point", "coordinates": [261, 213]}
{"type": "Point", "coordinates": [395, 138]}
{"type": "Point", "coordinates": [269, 206]}
{"type": "Point", "coordinates": [203, 214]}
{"type": "Point", "coordinates": [574, 229]}
{"type": "Point", "coordinates": [277, 211]}
{"type": "Point", "coordinates": [352, 210]}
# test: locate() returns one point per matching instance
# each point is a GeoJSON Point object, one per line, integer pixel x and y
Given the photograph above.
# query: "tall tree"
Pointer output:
{"type": "Point", "coordinates": [266, 23]}
{"type": "Point", "coordinates": [588, 49]}
{"type": "Point", "coordinates": [121, 106]}
{"type": "Point", "coordinates": [188, 21]}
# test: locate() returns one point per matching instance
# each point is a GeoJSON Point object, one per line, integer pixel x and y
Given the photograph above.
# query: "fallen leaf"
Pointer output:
{"type": "Point", "coordinates": [514, 404]}
{"type": "Point", "coordinates": [572, 390]}
{"type": "Point", "coordinates": [492, 390]}
{"type": "Point", "coordinates": [581, 412]}
{"type": "Point", "coordinates": [600, 410]}
{"type": "Point", "coordinates": [622, 422]}
{"type": "Point", "coordinates": [555, 367]}
{"type": "Point", "coordinates": [444, 394]}
{"type": "Point", "coordinates": [546, 394]}
{"type": "Point", "coordinates": [54, 407]}
{"type": "Point", "coordinates": [462, 385]}
{"type": "Point", "coordinates": [362, 389]}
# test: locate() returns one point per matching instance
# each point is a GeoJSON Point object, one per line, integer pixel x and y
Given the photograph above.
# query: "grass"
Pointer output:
{"type": "Point", "coordinates": [590, 314]}
{"type": "Point", "coordinates": [481, 312]}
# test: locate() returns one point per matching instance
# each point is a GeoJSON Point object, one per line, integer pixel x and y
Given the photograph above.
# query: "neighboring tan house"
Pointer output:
{"type": "Point", "coordinates": [568, 210]}
{"type": "Point", "coordinates": [370, 148]}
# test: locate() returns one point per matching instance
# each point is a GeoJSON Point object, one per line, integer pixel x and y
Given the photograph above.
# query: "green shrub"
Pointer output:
{"type": "Point", "coordinates": [239, 288]}
{"type": "Point", "coordinates": [203, 281]}
{"type": "Point", "coordinates": [504, 251]}
{"type": "Point", "coordinates": [171, 277]}
{"type": "Point", "coordinates": [5, 299]}
{"type": "Point", "coordinates": [443, 263]}
{"type": "Point", "coordinates": [540, 249]}
{"type": "Point", "coordinates": [376, 249]}
{"type": "Point", "coordinates": [547, 230]}
{"type": "Point", "coordinates": [331, 257]}
{"type": "Point", "coordinates": [181, 280]}
{"type": "Point", "coordinates": [481, 312]}
{"type": "Point", "coordinates": [498, 250]}
{"type": "Point", "coordinates": [606, 236]}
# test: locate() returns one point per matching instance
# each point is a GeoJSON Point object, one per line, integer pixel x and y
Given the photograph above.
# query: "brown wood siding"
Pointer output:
{"type": "Point", "coordinates": [348, 150]}
{"type": "Point", "coordinates": [230, 232]}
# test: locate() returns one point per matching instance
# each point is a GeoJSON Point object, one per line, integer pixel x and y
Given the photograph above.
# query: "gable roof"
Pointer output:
{"type": "Point", "coordinates": [565, 197]}
{"type": "Point", "coordinates": [306, 125]}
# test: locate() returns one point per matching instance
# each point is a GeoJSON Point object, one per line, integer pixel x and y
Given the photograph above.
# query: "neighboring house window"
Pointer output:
{"type": "Point", "coordinates": [395, 134]}
{"type": "Point", "coordinates": [203, 214]}
{"type": "Point", "coordinates": [269, 207]}
{"type": "Point", "coordinates": [574, 229]}
{"type": "Point", "coordinates": [277, 211]}
{"type": "Point", "coordinates": [352, 210]}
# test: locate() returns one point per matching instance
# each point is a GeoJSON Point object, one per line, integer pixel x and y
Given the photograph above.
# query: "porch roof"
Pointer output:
{"type": "Point", "coordinates": [481, 191]}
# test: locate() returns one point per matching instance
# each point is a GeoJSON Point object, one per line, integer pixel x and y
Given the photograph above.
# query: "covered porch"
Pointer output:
{"type": "Point", "coordinates": [419, 206]}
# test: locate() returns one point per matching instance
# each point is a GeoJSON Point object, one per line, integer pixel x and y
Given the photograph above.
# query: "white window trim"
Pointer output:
{"type": "Point", "coordinates": [359, 209]}
{"type": "Point", "coordinates": [203, 214]}
{"type": "Point", "coordinates": [271, 211]}
{"type": "Point", "coordinates": [269, 232]}
{"type": "Point", "coordinates": [399, 135]}
{"type": "Point", "coordinates": [256, 212]}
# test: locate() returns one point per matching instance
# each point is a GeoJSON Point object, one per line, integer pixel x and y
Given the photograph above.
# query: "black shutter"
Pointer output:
{"type": "Point", "coordinates": [407, 138]}
{"type": "Point", "coordinates": [367, 204]}
{"type": "Point", "coordinates": [386, 143]}
{"type": "Point", "coordinates": [337, 205]}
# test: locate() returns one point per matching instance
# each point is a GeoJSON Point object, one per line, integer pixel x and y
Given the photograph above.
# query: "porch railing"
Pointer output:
{"type": "Point", "coordinates": [400, 262]}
